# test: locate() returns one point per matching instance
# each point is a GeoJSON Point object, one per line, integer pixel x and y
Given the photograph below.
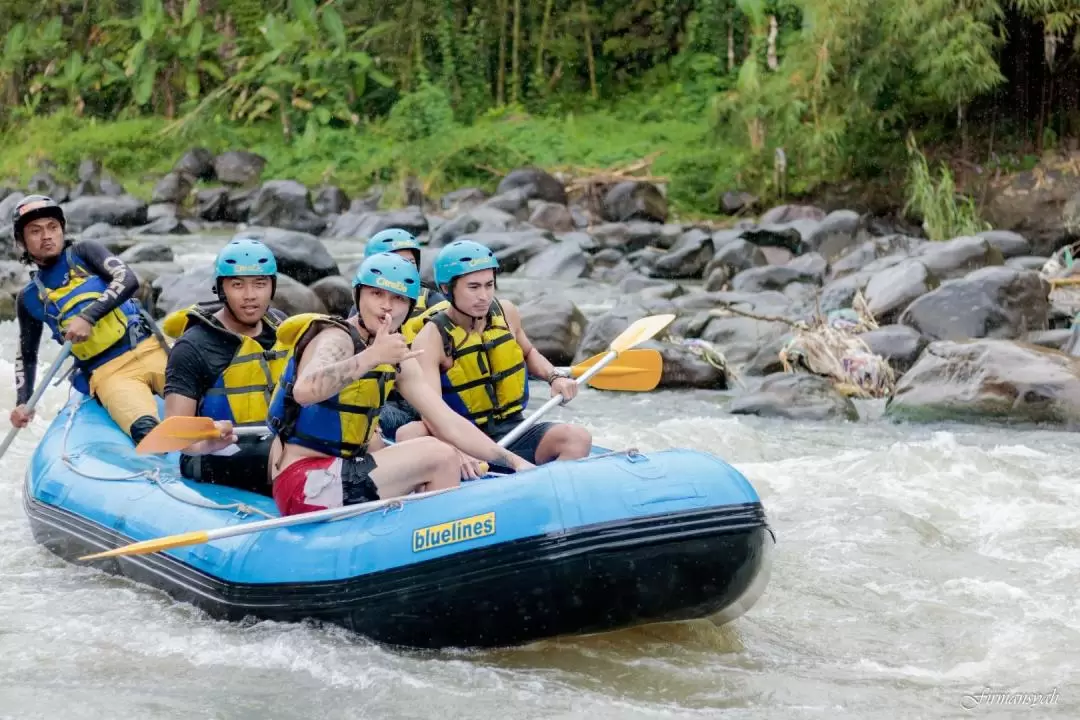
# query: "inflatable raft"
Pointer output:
{"type": "Point", "coordinates": [612, 541]}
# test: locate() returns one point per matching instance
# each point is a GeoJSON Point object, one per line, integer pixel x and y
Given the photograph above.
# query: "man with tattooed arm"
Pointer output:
{"type": "Point", "coordinates": [326, 405]}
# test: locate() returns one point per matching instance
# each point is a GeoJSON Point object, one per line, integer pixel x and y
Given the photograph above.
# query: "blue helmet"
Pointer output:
{"type": "Point", "coordinates": [245, 257]}
{"type": "Point", "coordinates": [462, 257]}
{"type": "Point", "coordinates": [392, 240]}
{"type": "Point", "coordinates": [390, 272]}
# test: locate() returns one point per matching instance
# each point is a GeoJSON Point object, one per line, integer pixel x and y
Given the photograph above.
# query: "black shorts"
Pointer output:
{"type": "Point", "coordinates": [525, 446]}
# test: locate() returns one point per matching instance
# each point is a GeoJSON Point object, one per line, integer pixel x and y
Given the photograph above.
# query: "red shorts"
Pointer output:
{"type": "Point", "coordinates": [317, 483]}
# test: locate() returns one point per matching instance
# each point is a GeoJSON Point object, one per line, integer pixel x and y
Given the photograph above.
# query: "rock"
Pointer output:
{"type": "Point", "coordinates": [635, 283]}
{"type": "Point", "coordinates": [859, 256]}
{"type": "Point", "coordinates": [899, 345]}
{"type": "Point", "coordinates": [738, 337]}
{"type": "Point", "coordinates": [1056, 339]}
{"type": "Point", "coordinates": [840, 293]}
{"type": "Point", "coordinates": [959, 256]}
{"type": "Point", "coordinates": [1010, 244]}
{"type": "Point", "coordinates": [43, 183]}
{"type": "Point", "coordinates": [147, 252]}
{"type": "Point", "coordinates": [632, 200]}
{"type": "Point", "coordinates": [995, 302]}
{"type": "Point", "coordinates": [125, 211]}
{"type": "Point", "coordinates": [835, 234]}
{"type": "Point", "coordinates": [554, 325]}
{"type": "Point", "coordinates": [365, 225]}
{"type": "Point", "coordinates": [890, 291]}
{"type": "Point", "coordinates": [513, 249]}
{"type": "Point", "coordinates": [285, 204]}
{"type": "Point", "coordinates": [336, 293]}
{"type": "Point", "coordinates": [13, 276]}
{"type": "Point", "coordinates": [7, 206]}
{"type": "Point", "coordinates": [989, 379]}
{"type": "Point", "coordinates": [560, 261]}
{"type": "Point", "coordinates": [791, 213]}
{"type": "Point", "coordinates": [551, 216]}
{"type": "Point", "coordinates": [109, 186]}
{"type": "Point", "coordinates": [239, 167]}
{"type": "Point", "coordinates": [603, 329]}
{"type": "Point", "coordinates": [176, 291]}
{"type": "Point", "coordinates": [789, 236]}
{"type": "Point", "coordinates": [479, 220]}
{"type": "Point", "coordinates": [536, 184]}
{"type": "Point", "coordinates": [224, 205]}
{"type": "Point", "coordinates": [514, 203]}
{"type": "Point", "coordinates": [812, 266]}
{"type": "Point", "coordinates": [197, 162]}
{"type": "Point", "coordinates": [172, 188]}
{"type": "Point", "coordinates": [730, 259]}
{"type": "Point", "coordinates": [732, 202]}
{"type": "Point", "coordinates": [795, 396]}
{"type": "Point", "coordinates": [7, 305]}
{"type": "Point", "coordinates": [687, 258]}
{"type": "Point", "coordinates": [157, 211]}
{"type": "Point", "coordinates": [300, 256]}
{"type": "Point", "coordinates": [167, 225]}
{"type": "Point", "coordinates": [1027, 262]}
{"type": "Point", "coordinates": [102, 232]}
{"type": "Point", "coordinates": [331, 200]}
{"type": "Point", "coordinates": [684, 368]}
{"type": "Point", "coordinates": [293, 298]}
{"type": "Point", "coordinates": [147, 273]}
{"type": "Point", "coordinates": [1072, 345]}
{"type": "Point", "coordinates": [463, 199]}
{"type": "Point", "coordinates": [629, 237]}
{"type": "Point", "coordinates": [769, 277]}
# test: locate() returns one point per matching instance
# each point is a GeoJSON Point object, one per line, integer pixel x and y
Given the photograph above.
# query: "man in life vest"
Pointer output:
{"type": "Point", "coordinates": [83, 293]}
{"type": "Point", "coordinates": [226, 364]}
{"type": "Point", "coordinates": [476, 352]}
{"type": "Point", "coordinates": [396, 412]}
{"type": "Point", "coordinates": [336, 381]}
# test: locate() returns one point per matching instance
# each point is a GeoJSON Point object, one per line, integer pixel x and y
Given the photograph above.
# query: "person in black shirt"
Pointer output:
{"type": "Point", "coordinates": [225, 366]}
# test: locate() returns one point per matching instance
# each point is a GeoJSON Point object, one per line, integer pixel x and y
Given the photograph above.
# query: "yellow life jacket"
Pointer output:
{"type": "Point", "coordinates": [340, 426]}
{"type": "Point", "coordinates": [488, 380]}
{"type": "Point", "coordinates": [241, 393]}
{"type": "Point", "coordinates": [412, 327]}
{"type": "Point", "coordinates": [82, 287]}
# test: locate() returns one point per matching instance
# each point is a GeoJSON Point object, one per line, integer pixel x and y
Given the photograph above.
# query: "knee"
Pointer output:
{"type": "Point", "coordinates": [411, 431]}
{"type": "Point", "coordinates": [438, 454]}
{"type": "Point", "coordinates": [576, 441]}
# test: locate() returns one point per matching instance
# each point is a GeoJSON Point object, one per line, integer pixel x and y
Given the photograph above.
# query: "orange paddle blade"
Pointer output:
{"type": "Point", "coordinates": [176, 433]}
{"type": "Point", "coordinates": [631, 371]}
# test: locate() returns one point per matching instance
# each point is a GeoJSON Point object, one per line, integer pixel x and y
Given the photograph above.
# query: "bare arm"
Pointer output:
{"type": "Point", "coordinates": [176, 404]}
{"type": "Point", "coordinates": [328, 366]}
{"type": "Point", "coordinates": [430, 341]}
{"type": "Point", "coordinates": [537, 364]}
{"type": "Point", "coordinates": [446, 424]}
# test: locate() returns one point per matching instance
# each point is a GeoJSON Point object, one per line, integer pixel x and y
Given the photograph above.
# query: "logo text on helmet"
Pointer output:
{"type": "Point", "coordinates": [395, 285]}
{"type": "Point", "coordinates": [36, 205]}
{"type": "Point", "coordinates": [249, 268]}
{"type": "Point", "coordinates": [473, 262]}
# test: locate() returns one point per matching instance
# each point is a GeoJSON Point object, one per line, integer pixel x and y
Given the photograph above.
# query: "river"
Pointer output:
{"type": "Point", "coordinates": [916, 568]}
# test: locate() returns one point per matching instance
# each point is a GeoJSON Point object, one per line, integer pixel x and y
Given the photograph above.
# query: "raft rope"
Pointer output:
{"type": "Point", "coordinates": [154, 476]}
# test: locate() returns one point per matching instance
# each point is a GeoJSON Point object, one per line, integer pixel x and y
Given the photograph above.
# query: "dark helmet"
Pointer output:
{"type": "Point", "coordinates": [35, 207]}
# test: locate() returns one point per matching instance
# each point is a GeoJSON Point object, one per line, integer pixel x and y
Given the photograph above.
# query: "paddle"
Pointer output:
{"type": "Point", "coordinates": [65, 350]}
{"type": "Point", "coordinates": [641, 331]}
{"type": "Point", "coordinates": [633, 371]}
{"type": "Point", "coordinates": [180, 431]}
{"type": "Point", "coordinates": [636, 334]}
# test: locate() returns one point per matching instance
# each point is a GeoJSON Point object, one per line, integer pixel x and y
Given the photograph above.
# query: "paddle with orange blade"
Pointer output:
{"type": "Point", "coordinates": [180, 431]}
{"type": "Point", "coordinates": [631, 371]}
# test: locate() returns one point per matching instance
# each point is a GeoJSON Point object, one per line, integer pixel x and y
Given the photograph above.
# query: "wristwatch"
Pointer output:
{"type": "Point", "coordinates": [555, 374]}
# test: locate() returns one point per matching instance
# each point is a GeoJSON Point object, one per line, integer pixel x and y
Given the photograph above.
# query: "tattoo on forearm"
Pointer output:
{"type": "Point", "coordinates": [503, 458]}
{"type": "Point", "coordinates": [332, 368]}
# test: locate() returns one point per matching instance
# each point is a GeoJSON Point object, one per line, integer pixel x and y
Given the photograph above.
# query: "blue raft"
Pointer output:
{"type": "Point", "coordinates": [608, 542]}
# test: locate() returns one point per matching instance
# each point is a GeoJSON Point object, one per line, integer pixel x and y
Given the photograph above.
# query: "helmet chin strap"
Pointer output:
{"type": "Point", "coordinates": [450, 296]}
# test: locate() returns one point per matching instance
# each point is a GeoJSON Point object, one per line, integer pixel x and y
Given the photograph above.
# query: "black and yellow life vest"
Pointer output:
{"type": "Point", "coordinates": [77, 287]}
{"type": "Point", "coordinates": [488, 380]}
{"type": "Point", "coordinates": [412, 327]}
{"type": "Point", "coordinates": [340, 426]}
{"type": "Point", "coordinates": [241, 393]}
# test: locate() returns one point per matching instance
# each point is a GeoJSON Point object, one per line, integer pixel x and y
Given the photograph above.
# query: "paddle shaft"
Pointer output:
{"type": "Point", "coordinates": [64, 352]}
{"type": "Point", "coordinates": [555, 400]}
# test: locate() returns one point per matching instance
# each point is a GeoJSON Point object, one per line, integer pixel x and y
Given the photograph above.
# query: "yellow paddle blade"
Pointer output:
{"type": "Point", "coordinates": [176, 433]}
{"type": "Point", "coordinates": [631, 371]}
{"type": "Point", "coordinates": [149, 546]}
{"type": "Point", "coordinates": [641, 331]}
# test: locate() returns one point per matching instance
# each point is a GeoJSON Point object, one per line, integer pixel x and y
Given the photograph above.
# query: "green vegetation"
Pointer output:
{"type": "Point", "coordinates": [774, 97]}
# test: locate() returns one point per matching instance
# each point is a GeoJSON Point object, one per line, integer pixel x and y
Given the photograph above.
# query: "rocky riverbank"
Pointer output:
{"type": "Point", "coordinates": [796, 312]}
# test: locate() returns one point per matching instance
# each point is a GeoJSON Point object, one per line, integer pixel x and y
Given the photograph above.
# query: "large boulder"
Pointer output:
{"type": "Point", "coordinates": [285, 204]}
{"type": "Point", "coordinates": [301, 256]}
{"type": "Point", "coordinates": [123, 211]}
{"type": "Point", "coordinates": [554, 325]}
{"type": "Point", "coordinates": [985, 379]}
{"type": "Point", "coordinates": [535, 184]}
{"type": "Point", "coordinates": [997, 302]}
{"type": "Point", "coordinates": [795, 396]}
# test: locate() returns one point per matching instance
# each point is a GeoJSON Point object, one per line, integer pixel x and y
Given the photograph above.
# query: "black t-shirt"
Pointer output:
{"type": "Point", "coordinates": [195, 362]}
